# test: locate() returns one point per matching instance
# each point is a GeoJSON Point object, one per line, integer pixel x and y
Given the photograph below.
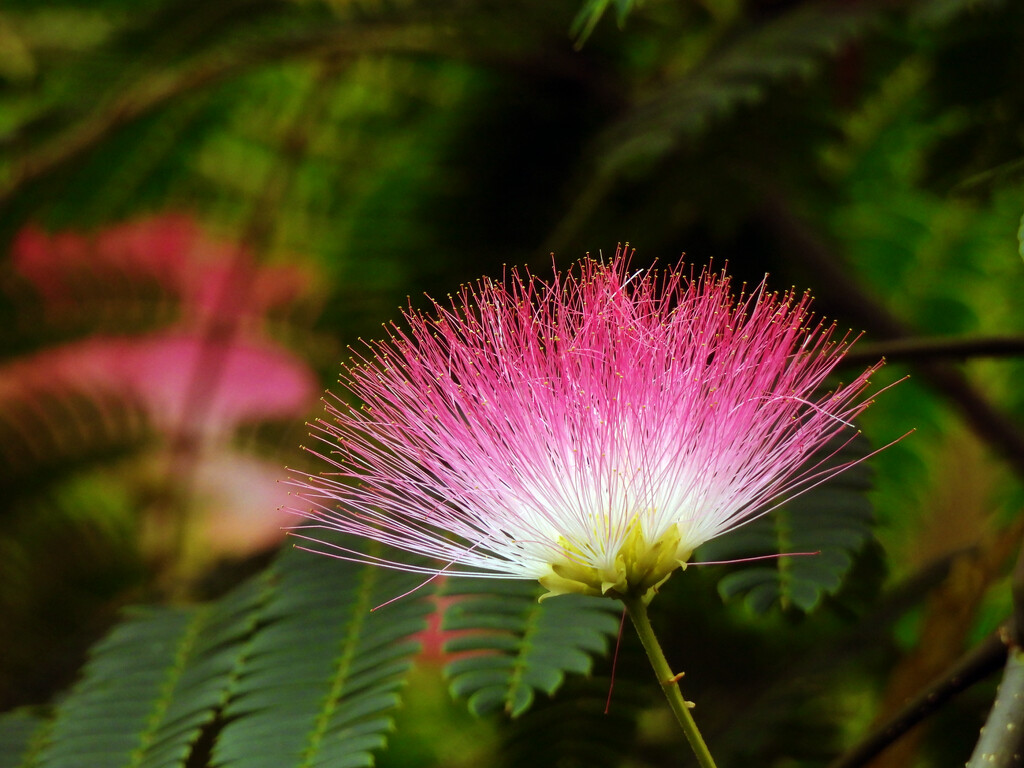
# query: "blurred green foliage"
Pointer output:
{"type": "Point", "coordinates": [868, 150]}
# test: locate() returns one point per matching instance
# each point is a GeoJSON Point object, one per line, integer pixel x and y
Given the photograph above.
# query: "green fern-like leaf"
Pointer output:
{"type": "Point", "coordinates": [151, 685]}
{"type": "Point", "coordinates": [321, 678]}
{"type": "Point", "coordinates": [518, 645]}
{"type": "Point", "coordinates": [792, 46]}
{"type": "Point", "coordinates": [53, 434]}
{"type": "Point", "coordinates": [291, 669]}
{"type": "Point", "coordinates": [20, 734]}
{"type": "Point", "coordinates": [833, 520]}
{"type": "Point", "coordinates": [590, 14]}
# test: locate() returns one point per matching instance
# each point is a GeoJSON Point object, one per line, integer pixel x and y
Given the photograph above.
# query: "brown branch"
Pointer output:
{"type": "Point", "coordinates": [914, 350]}
{"type": "Point", "coordinates": [977, 664]}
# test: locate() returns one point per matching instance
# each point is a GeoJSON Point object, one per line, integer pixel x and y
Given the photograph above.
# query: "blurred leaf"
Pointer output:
{"type": "Point", "coordinates": [1020, 237]}
{"type": "Point", "coordinates": [587, 19]}
{"type": "Point", "coordinates": [70, 557]}
{"type": "Point", "coordinates": [19, 738]}
{"type": "Point", "coordinates": [48, 435]}
{"type": "Point", "coordinates": [574, 730]}
{"type": "Point", "coordinates": [590, 14]}
{"type": "Point", "coordinates": [938, 12]}
{"type": "Point", "coordinates": [791, 46]}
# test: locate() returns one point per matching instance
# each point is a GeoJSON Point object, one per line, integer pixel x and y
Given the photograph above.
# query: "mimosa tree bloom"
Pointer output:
{"type": "Point", "coordinates": [588, 432]}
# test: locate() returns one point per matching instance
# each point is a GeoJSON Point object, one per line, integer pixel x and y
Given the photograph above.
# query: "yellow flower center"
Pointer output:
{"type": "Point", "coordinates": [639, 567]}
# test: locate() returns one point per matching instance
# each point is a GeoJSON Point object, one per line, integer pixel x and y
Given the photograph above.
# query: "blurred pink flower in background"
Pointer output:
{"type": "Point", "coordinates": [244, 497]}
{"type": "Point", "coordinates": [257, 380]}
{"type": "Point", "coordinates": [189, 350]}
{"type": "Point", "coordinates": [171, 252]}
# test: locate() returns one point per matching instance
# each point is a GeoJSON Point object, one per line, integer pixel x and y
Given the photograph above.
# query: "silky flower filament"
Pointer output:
{"type": "Point", "coordinates": [588, 432]}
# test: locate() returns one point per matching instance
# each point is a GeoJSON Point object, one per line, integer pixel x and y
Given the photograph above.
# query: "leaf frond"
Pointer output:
{"type": "Point", "coordinates": [321, 677]}
{"type": "Point", "coordinates": [516, 645]}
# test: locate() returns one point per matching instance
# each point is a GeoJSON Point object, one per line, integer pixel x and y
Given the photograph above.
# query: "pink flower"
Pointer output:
{"type": "Point", "coordinates": [167, 251]}
{"type": "Point", "coordinates": [589, 432]}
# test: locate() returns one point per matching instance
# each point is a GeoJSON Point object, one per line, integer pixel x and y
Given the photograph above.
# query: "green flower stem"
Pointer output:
{"type": "Point", "coordinates": [668, 679]}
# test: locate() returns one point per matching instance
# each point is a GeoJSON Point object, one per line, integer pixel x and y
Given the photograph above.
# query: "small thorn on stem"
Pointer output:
{"type": "Point", "coordinates": [674, 679]}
